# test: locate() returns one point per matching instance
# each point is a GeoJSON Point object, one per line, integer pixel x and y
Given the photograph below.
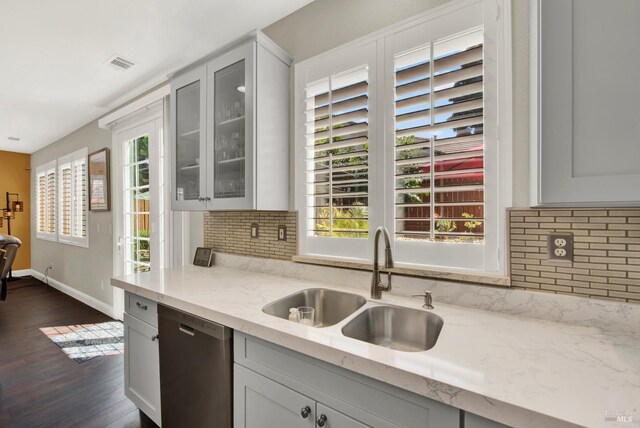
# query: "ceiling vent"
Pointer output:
{"type": "Point", "coordinates": [120, 63]}
{"type": "Point", "coordinates": [13, 138]}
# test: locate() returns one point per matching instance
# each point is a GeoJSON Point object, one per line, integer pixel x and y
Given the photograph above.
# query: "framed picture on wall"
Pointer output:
{"type": "Point", "coordinates": [99, 180]}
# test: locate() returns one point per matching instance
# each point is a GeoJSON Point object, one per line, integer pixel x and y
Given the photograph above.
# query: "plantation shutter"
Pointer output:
{"type": "Point", "coordinates": [337, 174]}
{"type": "Point", "coordinates": [64, 206]}
{"type": "Point", "coordinates": [50, 228]}
{"type": "Point", "coordinates": [46, 201]}
{"type": "Point", "coordinates": [41, 186]}
{"type": "Point", "coordinates": [439, 144]}
{"type": "Point", "coordinates": [80, 198]}
{"type": "Point", "coordinates": [72, 208]}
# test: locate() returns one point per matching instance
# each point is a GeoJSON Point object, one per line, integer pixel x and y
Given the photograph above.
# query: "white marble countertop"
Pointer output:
{"type": "Point", "coordinates": [515, 370]}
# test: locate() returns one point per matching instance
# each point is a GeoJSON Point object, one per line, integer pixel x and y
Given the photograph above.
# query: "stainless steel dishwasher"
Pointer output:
{"type": "Point", "coordinates": [195, 371]}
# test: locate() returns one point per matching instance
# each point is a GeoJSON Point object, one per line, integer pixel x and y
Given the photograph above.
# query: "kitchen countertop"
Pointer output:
{"type": "Point", "coordinates": [514, 370]}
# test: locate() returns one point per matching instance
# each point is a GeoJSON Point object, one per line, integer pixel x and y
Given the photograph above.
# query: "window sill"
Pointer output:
{"type": "Point", "coordinates": [400, 269]}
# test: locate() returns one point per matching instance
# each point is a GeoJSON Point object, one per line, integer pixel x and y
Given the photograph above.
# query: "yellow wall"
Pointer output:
{"type": "Point", "coordinates": [15, 178]}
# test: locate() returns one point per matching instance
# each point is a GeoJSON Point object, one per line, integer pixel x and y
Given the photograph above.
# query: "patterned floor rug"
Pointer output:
{"type": "Point", "coordinates": [86, 341]}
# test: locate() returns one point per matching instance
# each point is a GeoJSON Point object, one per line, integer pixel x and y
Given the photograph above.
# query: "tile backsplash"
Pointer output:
{"type": "Point", "coordinates": [230, 232]}
{"type": "Point", "coordinates": [606, 262]}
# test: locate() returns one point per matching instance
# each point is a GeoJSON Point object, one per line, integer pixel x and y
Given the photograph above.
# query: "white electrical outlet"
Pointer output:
{"type": "Point", "coordinates": [282, 233]}
{"type": "Point", "coordinates": [560, 242]}
{"type": "Point", "coordinates": [560, 246]}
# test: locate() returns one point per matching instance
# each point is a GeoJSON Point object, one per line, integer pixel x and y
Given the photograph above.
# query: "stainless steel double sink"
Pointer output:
{"type": "Point", "coordinates": [393, 327]}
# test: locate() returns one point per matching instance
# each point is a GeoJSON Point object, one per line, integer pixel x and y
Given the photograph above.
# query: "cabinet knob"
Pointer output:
{"type": "Point", "coordinates": [141, 306]}
{"type": "Point", "coordinates": [155, 337]}
{"type": "Point", "coordinates": [321, 420]}
{"type": "Point", "coordinates": [305, 412]}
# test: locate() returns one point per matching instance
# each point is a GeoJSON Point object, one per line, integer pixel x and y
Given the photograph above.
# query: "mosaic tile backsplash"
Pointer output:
{"type": "Point", "coordinates": [230, 232]}
{"type": "Point", "coordinates": [606, 262]}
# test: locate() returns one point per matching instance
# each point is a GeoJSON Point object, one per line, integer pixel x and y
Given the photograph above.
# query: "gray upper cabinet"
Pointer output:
{"type": "Point", "coordinates": [189, 150]}
{"type": "Point", "coordinates": [584, 124]}
{"type": "Point", "coordinates": [230, 129]}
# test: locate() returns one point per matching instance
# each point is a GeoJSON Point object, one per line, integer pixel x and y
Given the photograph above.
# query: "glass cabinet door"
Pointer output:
{"type": "Point", "coordinates": [189, 162]}
{"type": "Point", "coordinates": [229, 132]}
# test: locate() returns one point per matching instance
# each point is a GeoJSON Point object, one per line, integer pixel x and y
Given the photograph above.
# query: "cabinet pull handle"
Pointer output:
{"type": "Point", "coordinates": [155, 337]}
{"type": "Point", "coordinates": [321, 420]}
{"type": "Point", "coordinates": [187, 330]}
{"type": "Point", "coordinates": [141, 306]}
{"type": "Point", "coordinates": [305, 412]}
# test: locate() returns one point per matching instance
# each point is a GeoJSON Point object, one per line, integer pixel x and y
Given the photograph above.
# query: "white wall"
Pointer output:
{"type": "Point", "coordinates": [87, 270]}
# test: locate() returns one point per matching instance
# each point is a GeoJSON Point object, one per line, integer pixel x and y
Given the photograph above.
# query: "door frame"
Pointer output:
{"type": "Point", "coordinates": [155, 113]}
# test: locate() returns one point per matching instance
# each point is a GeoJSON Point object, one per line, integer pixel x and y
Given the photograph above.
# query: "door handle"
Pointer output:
{"type": "Point", "coordinates": [187, 330]}
{"type": "Point", "coordinates": [321, 420]}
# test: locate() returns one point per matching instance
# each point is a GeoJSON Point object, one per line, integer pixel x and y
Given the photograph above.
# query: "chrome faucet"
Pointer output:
{"type": "Point", "coordinates": [377, 286]}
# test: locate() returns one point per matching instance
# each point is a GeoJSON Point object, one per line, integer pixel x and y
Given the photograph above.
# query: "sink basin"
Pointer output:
{"type": "Point", "coordinates": [397, 328]}
{"type": "Point", "coordinates": [331, 306]}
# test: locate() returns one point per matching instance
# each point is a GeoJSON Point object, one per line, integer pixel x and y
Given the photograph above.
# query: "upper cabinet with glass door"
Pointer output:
{"type": "Point", "coordinates": [188, 136]}
{"type": "Point", "coordinates": [243, 155]}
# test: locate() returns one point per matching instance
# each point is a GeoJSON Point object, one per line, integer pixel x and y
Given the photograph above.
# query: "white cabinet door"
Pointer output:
{"type": "Point", "coordinates": [142, 366]}
{"type": "Point", "coordinates": [585, 95]}
{"type": "Point", "coordinates": [188, 141]}
{"type": "Point", "coordinates": [230, 118]}
{"type": "Point", "coordinates": [260, 402]}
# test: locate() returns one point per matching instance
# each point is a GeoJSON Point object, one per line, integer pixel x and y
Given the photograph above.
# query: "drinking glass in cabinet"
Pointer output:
{"type": "Point", "coordinates": [188, 142]}
{"type": "Point", "coordinates": [229, 130]}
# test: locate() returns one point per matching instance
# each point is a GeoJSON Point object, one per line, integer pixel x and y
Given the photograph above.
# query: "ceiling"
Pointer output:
{"type": "Point", "coordinates": [53, 73]}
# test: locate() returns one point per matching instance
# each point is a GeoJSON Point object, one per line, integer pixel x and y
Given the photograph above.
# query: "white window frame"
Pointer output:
{"type": "Point", "coordinates": [81, 241]}
{"type": "Point", "coordinates": [440, 22]}
{"type": "Point", "coordinates": [44, 170]}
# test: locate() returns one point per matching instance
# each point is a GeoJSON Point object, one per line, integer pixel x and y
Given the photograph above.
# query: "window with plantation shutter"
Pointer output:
{"type": "Point", "coordinates": [439, 142]}
{"type": "Point", "coordinates": [338, 155]}
{"type": "Point", "coordinates": [72, 198]}
{"type": "Point", "coordinates": [406, 136]}
{"type": "Point", "coordinates": [46, 201]}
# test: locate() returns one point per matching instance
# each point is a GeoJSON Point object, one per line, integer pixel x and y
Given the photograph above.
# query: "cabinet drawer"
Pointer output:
{"type": "Point", "coordinates": [144, 309]}
{"type": "Point", "coordinates": [366, 400]}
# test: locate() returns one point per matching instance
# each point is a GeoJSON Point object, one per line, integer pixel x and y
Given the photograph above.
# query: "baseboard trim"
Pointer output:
{"type": "Point", "coordinates": [22, 272]}
{"type": "Point", "coordinates": [76, 294]}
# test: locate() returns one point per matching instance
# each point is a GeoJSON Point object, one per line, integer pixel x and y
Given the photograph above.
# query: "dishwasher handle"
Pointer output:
{"type": "Point", "coordinates": [186, 329]}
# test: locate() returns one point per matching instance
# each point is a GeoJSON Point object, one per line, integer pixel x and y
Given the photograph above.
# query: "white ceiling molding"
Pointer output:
{"type": "Point", "coordinates": [106, 122]}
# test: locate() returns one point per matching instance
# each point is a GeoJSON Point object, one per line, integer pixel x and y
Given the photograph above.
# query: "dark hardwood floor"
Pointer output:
{"type": "Point", "coordinates": [39, 385]}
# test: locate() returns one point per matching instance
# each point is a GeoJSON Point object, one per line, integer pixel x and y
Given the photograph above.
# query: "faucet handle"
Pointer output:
{"type": "Point", "coordinates": [428, 299]}
{"type": "Point", "coordinates": [387, 286]}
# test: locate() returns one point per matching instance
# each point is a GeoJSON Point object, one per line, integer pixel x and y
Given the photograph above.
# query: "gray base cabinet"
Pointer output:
{"type": "Point", "coordinates": [274, 386]}
{"type": "Point", "coordinates": [141, 356]}
{"type": "Point", "coordinates": [260, 402]}
{"type": "Point", "coordinates": [475, 421]}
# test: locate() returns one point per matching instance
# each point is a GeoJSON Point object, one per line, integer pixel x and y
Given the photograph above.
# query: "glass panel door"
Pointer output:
{"type": "Point", "coordinates": [137, 226]}
{"type": "Point", "coordinates": [188, 143]}
{"type": "Point", "coordinates": [229, 132]}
